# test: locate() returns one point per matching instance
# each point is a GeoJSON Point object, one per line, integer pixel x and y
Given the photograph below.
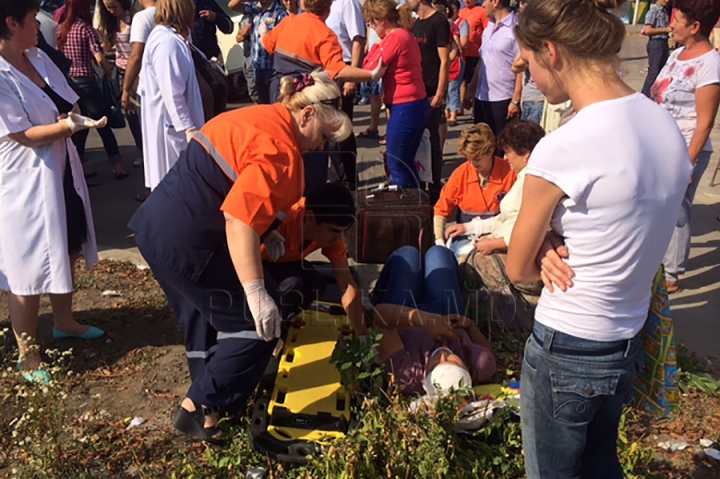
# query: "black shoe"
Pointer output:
{"type": "Point", "coordinates": [193, 424]}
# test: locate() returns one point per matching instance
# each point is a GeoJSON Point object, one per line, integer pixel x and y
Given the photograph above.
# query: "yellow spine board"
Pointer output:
{"type": "Point", "coordinates": [307, 384]}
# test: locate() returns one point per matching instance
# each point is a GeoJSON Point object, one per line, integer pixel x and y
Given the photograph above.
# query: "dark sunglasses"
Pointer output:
{"type": "Point", "coordinates": [336, 102]}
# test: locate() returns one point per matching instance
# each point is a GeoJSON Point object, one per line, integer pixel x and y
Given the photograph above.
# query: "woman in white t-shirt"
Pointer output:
{"type": "Point", "coordinates": [607, 181]}
{"type": "Point", "coordinates": [689, 88]}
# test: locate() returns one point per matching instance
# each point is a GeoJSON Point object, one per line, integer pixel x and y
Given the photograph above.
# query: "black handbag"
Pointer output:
{"type": "Point", "coordinates": [116, 119]}
{"type": "Point", "coordinates": [213, 85]}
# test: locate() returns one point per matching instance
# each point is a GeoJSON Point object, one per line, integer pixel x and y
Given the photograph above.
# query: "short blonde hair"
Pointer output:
{"type": "Point", "coordinates": [324, 95]}
{"type": "Point", "coordinates": [178, 14]}
{"type": "Point", "coordinates": [476, 141]}
{"type": "Point", "coordinates": [379, 10]}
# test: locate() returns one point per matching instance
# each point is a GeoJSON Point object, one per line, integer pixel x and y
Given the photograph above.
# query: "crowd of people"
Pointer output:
{"type": "Point", "coordinates": [237, 201]}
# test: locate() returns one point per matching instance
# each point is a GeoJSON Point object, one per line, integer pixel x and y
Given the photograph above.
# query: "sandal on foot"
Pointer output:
{"type": "Point", "coordinates": [39, 376]}
{"type": "Point", "coordinates": [369, 134]}
{"type": "Point", "coordinates": [193, 424]}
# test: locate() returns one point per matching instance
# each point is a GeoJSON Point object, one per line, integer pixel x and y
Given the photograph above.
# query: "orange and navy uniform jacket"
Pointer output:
{"type": "Point", "coordinates": [182, 226]}
{"type": "Point", "coordinates": [302, 43]}
{"type": "Point", "coordinates": [463, 190]}
{"type": "Point", "coordinates": [260, 144]}
{"type": "Point", "coordinates": [292, 230]}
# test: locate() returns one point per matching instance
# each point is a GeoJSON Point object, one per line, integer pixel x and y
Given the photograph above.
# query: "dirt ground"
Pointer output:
{"type": "Point", "coordinates": [138, 370]}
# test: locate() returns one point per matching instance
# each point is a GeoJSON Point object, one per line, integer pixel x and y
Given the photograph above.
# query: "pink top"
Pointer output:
{"type": "Point", "coordinates": [403, 80]}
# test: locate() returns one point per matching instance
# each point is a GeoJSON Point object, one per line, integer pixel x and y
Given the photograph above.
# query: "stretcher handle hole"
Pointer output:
{"type": "Point", "coordinates": [290, 356]}
{"type": "Point", "coordinates": [283, 433]}
{"type": "Point", "coordinates": [280, 399]}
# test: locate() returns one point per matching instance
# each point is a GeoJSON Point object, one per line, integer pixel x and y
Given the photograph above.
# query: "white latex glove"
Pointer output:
{"type": "Point", "coordinates": [440, 242]}
{"type": "Point", "coordinates": [275, 245]}
{"type": "Point", "coordinates": [78, 122]}
{"type": "Point", "coordinates": [189, 133]}
{"type": "Point", "coordinates": [479, 226]}
{"type": "Point", "coordinates": [378, 71]}
{"type": "Point", "coordinates": [264, 310]}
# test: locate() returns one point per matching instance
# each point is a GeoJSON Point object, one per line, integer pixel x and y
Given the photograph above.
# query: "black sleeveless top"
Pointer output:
{"type": "Point", "coordinates": [74, 208]}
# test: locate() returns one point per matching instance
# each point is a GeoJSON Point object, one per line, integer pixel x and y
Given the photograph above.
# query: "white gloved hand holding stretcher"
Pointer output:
{"type": "Point", "coordinates": [263, 309]}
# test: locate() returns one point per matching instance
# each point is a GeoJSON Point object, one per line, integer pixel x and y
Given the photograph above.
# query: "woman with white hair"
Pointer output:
{"type": "Point", "coordinates": [201, 230]}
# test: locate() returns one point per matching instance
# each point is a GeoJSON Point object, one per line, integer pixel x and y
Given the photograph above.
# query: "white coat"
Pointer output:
{"type": "Point", "coordinates": [33, 232]}
{"type": "Point", "coordinates": [171, 101]}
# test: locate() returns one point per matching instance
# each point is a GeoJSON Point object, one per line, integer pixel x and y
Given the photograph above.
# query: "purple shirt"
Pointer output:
{"type": "Point", "coordinates": [408, 365]}
{"type": "Point", "coordinates": [498, 51]}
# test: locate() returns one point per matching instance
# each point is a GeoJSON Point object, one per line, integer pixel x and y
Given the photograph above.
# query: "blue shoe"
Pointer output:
{"type": "Point", "coordinates": [39, 376]}
{"type": "Point", "coordinates": [91, 333]}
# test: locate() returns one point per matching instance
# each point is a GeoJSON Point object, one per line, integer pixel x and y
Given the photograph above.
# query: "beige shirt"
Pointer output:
{"type": "Point", "coordinates": [509, 209]}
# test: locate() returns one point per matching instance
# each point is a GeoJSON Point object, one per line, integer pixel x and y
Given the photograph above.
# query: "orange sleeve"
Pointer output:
{"type": "Point", "coordinates": [485, 21]}
{"type": "Point", "coordinates": [330, 54]}
{"type": "Point", "coordinates": [337, 252]}
{"type": "Point", "coordinates": [263, 189]}
{"type": "Point", "coordinates": [270, 39]}
{"type": "Point", "coordinates": [449, 196]}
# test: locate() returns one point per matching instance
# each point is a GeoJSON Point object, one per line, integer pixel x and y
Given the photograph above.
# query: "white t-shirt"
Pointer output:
{"type": "Point", "coordinates": [675, 88]}
{"type": "Point", "coordinates": [624, 167]}
{"type": "Point", "coordinates": [347, 22]}
{"type": "Point", "coordinates": [142, 24]}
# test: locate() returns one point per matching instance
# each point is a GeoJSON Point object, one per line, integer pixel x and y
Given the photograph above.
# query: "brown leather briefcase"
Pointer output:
{"type": "Point", "coordinates": [387, 220]}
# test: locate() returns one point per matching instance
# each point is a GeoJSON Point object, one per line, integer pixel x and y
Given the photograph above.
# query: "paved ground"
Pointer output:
{"type": "Point", "coordinates": [697, 307]}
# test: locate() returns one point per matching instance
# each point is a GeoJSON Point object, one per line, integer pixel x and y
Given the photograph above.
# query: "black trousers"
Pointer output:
{"type": "Point", "coordinates": [436, 154]}
{"type": "Point", "coordinates": [494, 113]}
{"type": "Point", "coordinates": [225, 355]}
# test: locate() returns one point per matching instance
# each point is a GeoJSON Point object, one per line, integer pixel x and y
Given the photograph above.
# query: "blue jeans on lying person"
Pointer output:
{"type": "Point", "coordinates": [404, 133]}
{"type": "Point", "coordinates": [430, 283]}
{"type": "Point", "coordinates": [572, 395]}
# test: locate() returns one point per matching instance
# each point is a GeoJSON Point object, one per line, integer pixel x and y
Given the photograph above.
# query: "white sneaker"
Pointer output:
{"type": "Point", "coordinates": [138, 162]}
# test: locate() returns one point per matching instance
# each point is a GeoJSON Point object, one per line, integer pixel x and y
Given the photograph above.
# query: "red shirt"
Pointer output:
{"type": "Point", "coordinates": [477, 21]}
{"type": "Point", "coordinates": [292, 230]}
{"type": "Point", "coordinates": [403, 80]}
{"type": "Point", "coordinates": [81, 45]}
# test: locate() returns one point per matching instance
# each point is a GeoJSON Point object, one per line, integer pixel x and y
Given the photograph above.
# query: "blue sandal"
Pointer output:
{"type": "Point", "coordinates": [39, 376]}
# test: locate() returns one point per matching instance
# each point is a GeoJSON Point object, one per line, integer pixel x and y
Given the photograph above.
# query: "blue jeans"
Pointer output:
{"type": "Point", "coordinates": [404, 132]}
{"type": "Point", "coordinates": [453, 100]}
{"type": "Point", "coordinates": [532, 111]}
{"type": "Point", "coordinates": [658, 53]}
{"type": "Point", "coordinates": [572, 395]}
{"type": "Point", "coordinates": [458, 243]}
{"type": "Point", "coordinates": [678, 251]}
{"type": "Point", "coordinates": [431, 285]}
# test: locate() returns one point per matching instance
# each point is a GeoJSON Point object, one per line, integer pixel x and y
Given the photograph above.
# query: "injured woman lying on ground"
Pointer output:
{"type": "Point", "coordinates": [428, 345]}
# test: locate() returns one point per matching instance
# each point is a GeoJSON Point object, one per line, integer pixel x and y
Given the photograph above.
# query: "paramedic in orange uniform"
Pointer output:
{"type": "Point", "coordinates": [301, 43]}
{"type": "Point", "coordinates": [201, 229]}
{"type": "Point", "coordinates": [317, 222]}
{"type": "Point", "coordinates": [476, 187]}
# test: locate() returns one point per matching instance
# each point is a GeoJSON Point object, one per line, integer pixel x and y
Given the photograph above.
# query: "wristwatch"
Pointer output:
{"type": "Point", "coordinates": [516, 103]}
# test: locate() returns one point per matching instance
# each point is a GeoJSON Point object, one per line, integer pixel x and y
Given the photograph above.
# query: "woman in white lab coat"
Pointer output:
{"type": "Point", "coordinates": [171, 103]}
{"type": "Point", "coordinates": [45, 218]}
